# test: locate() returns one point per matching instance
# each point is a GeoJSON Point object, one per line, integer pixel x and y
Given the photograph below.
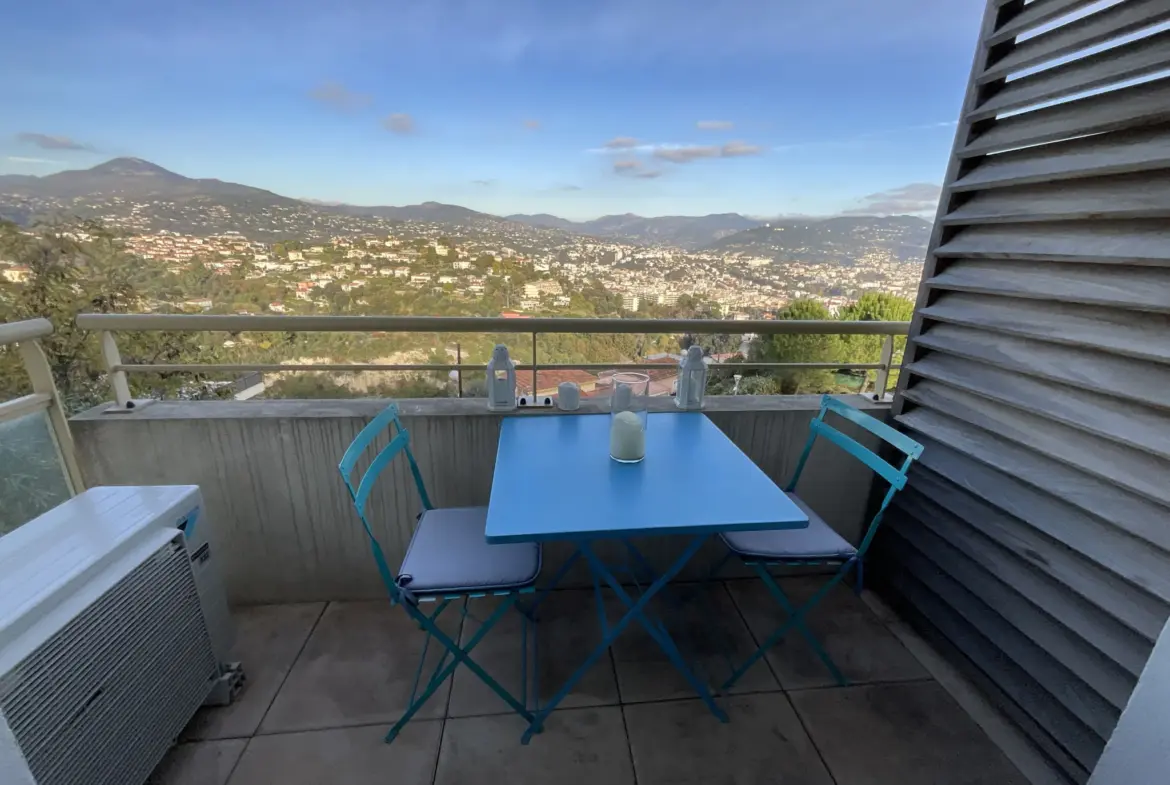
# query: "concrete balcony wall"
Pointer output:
{"type": "Point", "coordinates": [283, 526]}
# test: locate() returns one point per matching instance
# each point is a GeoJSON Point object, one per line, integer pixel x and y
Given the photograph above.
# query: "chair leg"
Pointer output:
{"type": "Point", "coordinates": [795, 620]}
{"type": "Point", "coordinates": [460, 654]}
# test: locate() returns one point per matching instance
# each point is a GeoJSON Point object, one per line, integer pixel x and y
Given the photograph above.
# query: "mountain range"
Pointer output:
{"type": "Point", "coordinates": [681, 230]}
{"type": "Point", "coordinates": [25, 197]}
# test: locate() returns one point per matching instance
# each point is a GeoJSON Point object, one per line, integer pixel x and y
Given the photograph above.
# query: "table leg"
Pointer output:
{"type": "Point", "coordinates": [635, 610]}
{"type": "Point", "coordinates": [656, 630]}
{"type": "Point", "coordinates": [561, 573]}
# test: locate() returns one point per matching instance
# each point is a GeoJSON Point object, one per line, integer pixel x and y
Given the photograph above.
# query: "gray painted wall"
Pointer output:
{"type": "Point", "coordinates": [1033, 540]}
{"type": "Point", "coordinates": [283, 526]}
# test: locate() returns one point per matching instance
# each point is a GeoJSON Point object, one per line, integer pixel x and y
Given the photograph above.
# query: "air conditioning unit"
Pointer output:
{"type": "Point", "coordinates": [114, 629]}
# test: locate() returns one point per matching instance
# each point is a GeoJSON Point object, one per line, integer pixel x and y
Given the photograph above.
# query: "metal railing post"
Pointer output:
{"type": "Point", "coordinates": [36, 364]}
{"type": "Point", "coordinates": [113, 361]}
{"type": "Point", "coordinates": [883, 374]}
{"type": "Point", "coordinates": [459, 371]}
{"type": "Point", "coordinates": [534, 368]}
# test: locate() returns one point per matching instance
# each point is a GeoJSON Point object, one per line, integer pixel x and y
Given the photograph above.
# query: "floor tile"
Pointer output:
{"type": "Point", "coordinates": [680, 742]}
{"type": "Point", "coordinates": [200, 763]}
{"type": "Point", "coordinates": [910, 734]}
{"type": "Point", "coordinates": [356, 669]}
{"type": "Point", "coordinates": [577, 747]}
{"type": "Point", "coordinates": [703, 622]}
{"type": "Point", "coordinates": [268, 639]}
{"type": "Point", "coordinates": [858, 642]}
{"type": "Point", "coordinates": [568, 631]}
{"type": "Point", "coordinates": [353, 756]}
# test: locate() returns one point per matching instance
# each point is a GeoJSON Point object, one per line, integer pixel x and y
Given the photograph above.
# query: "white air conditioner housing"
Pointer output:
{"type": "Point", "coordinates": [114, 629]}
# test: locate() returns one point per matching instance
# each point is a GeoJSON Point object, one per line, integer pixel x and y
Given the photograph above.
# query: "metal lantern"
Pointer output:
{"type": "Point", "coordinates": [501, 381]}
{"type": "Point", "coordinates": [692, 380]}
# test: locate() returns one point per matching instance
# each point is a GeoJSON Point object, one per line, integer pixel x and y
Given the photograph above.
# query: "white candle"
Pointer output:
{"type": "Point", "coordinates": [627, 440]}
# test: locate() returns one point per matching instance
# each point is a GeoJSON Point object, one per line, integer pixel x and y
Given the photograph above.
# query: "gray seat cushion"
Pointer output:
{"type": "Point", "coordinates": [448, 553]}
{"type": "Point", "coordinates": [818, 541]}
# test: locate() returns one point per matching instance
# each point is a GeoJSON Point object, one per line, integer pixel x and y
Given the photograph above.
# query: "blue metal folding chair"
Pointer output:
{"type": "Point", "coordinates": [819, 544]}
{"type": "Point", "coordinates": [448, 561]}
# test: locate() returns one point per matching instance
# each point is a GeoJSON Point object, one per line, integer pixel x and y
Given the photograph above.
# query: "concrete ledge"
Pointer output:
{"type": "Point", "coordinates": [447, 407]}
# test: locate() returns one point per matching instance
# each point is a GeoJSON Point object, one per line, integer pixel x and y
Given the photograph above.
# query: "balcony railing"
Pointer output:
{"type": "Point", "coordinates": [108, 324]}
{"type": "Point", "coordinates": [36, 449]}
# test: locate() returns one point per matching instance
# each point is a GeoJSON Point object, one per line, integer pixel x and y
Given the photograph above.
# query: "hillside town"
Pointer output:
{"type": "Point", "coordinates": [424, 259]}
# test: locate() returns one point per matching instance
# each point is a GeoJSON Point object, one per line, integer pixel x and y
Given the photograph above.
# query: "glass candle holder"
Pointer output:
{"type": "Point", "coordinates": [628, 417]}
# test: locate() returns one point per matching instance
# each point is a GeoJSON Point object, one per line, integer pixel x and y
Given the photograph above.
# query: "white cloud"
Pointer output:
{"type": "Point", "coordinates": [20, 159]}
{"type": "Point", "coordinates": [903, 200]}
{"type": "Point", "coordinates": [399, 123]}
{"type": "Point", "coordinates": [714, 125]}
{"type": "Point", "coordinates": [337, 96]}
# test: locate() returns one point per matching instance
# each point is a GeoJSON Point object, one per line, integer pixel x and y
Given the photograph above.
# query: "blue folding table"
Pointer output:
{"type": "Point", "coordinates": [554, 480]}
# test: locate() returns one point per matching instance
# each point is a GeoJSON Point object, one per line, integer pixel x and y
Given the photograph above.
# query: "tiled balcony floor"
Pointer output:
{"type": "Point", "coordinates": [327, 680]}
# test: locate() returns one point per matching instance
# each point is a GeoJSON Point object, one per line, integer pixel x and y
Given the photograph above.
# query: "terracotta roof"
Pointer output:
{"type": "Point", "coordinates": [548, 381]}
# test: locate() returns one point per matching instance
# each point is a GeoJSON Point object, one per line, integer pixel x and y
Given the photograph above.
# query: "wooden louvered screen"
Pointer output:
{"type": "Point", "coordinates": [1033, 541]}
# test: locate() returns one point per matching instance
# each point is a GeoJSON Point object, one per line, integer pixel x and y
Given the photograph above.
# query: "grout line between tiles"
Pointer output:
{"type": "Point", "coordinates": [811, 740]}
{"type": "Point", "coordinates": [783, 689]}
{"type": "Point", "coordinates": [875, 683]}
{"type": "Point", "coordinates": [447, 705]}
{"type": "Point", "coordinates": [629, 744]}
{"type": "Point", "coordinates": [276, 693]}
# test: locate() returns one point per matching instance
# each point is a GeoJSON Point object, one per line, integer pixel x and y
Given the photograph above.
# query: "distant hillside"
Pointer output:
{"type": "Point", "coordinates": [832, 239]}
{"type": "Point", "coordinates": [546, 221]}
{"type": "Point", "coordinates": [681, 230]}
{"type": "Point", "coordinates": [134, 178]}
{"type": "Point", "coordinates": [204, 206]}
{"type": "Point", "coordinates": [433, 212]}
{"type": "Point", "coordinates": [149, 197]}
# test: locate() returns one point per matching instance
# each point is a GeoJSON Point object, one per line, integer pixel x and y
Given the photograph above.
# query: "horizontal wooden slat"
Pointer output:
{"type": "Point", "coordinates": [1137, 289]}
{"type": "Point", "coordinates": [1052, 484]}
{"type": "Point", "coordinates": [1060, 767]}
{"type": "Point", "coordinates": [1119, 421]}
{"type": "Point", "coordinates": [917, 517]}
{"type": "Point", "coordinates": [1128, 107]}
{"type": "Point", "coordinates": [1111, 481]}
{"type": "Point", "coordinates": [1071, 735]}
{"type": "Point", "coordinates": [1132, 559]}
{"type": "Point", "coordinates": [1105, 677]}
{"type": "Point", "coordinates": [1074, 369]}
{"type": "Point", "coordinates": [1139, 150]}
{"type": "Point", "coordinates": [1103, 242]}
{"type": "Point", "coordinates": [1088, 31]}
{"type": "Point", "coordinates": [1066, 687]}
{"type": "Point", "coordinates": [1143, 614]}
{"type": "Point", "coordinates": [1144, 195]}
{"type": "Point", "coordinates": [1132, 334]}
{"type": "Point", "coordinates": [1033, 15]}
{"type": "Point", "coordinates": [1135, 59]}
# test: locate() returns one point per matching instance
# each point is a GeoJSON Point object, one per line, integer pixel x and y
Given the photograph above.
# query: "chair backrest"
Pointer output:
{"type": "Point", "coordinates": [388, 421]}
{"type": "Point", "coordinates": [894, 475]}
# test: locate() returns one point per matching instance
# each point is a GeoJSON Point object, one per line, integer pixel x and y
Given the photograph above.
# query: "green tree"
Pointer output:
{"type": "Point", "coordinates": [84, 269]}
{"type": "Point", "coordinates": [875, 307]}
{"type": "Point", "coordinates": [798, 348]}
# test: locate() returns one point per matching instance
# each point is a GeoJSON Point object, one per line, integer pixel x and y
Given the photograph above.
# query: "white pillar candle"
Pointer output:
{"type": "Point", "coordinates": [627, 439]}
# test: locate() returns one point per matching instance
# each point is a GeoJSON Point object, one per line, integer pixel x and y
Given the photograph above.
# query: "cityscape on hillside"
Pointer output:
{"type": "Point", "coordinates": [308, 254]}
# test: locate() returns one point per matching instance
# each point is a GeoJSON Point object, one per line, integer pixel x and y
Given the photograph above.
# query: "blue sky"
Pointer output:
{"type": "Point", "coordinates": [659, 107]}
